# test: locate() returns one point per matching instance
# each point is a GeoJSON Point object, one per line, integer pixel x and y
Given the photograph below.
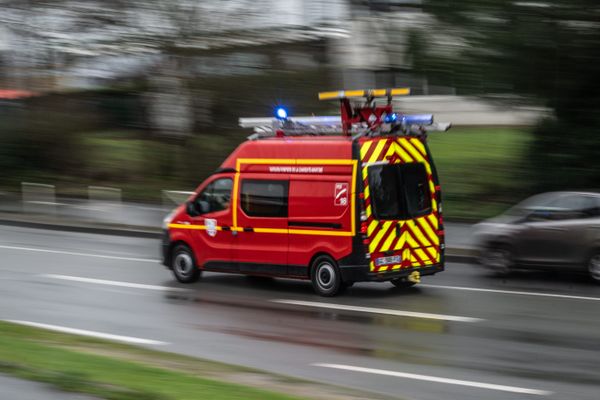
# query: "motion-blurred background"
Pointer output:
{"type": "Point", "coordinates": [124, 99]}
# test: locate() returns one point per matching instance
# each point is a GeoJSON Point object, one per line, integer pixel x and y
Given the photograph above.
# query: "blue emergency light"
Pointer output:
{"type": "Point", "coordinates": [417, 119]}
{"type": "Point", "coordinates": [281, 113]}
{"type": "Point", "coordinates": [391, 118]}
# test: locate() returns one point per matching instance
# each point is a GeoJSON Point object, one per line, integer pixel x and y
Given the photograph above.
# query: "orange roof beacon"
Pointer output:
{"type": "Point", "coordinates": [334, 199]}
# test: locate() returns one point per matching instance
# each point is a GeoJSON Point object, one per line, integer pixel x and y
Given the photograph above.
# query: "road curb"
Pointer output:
{"type": "Point", "coordinates": [464, 256]}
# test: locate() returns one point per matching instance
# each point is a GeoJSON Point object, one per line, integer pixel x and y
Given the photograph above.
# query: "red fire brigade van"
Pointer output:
{"type": "Point", "coordinates": [334, 200]}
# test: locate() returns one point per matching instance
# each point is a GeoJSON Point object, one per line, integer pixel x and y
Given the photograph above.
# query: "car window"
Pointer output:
{"type": "Point", "coordinates": [574, 206]}
{"type": "Point", "coordinates": [531, 204]}
{"type": "Point", "coordinates": [596, 209]}
{"type": "Point", "coordinates": [216, 196]}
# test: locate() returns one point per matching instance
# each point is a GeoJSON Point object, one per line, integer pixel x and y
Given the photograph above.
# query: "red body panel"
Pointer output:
{"type": "Point", "coordinates": [207, 245]}
{"type": "Point", "coordinates": [261, 239]}
{"type": "Point", "coordinates": [292, 148]}
{"type": "Point", "coordinates": [320, 216]}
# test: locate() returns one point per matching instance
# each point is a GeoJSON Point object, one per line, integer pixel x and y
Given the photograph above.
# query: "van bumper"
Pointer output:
{"type": "Point", "coordinates": [361, 273]}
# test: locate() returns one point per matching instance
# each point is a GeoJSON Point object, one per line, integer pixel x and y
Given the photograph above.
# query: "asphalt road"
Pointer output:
{"type": "Point", "coordinates": [462, 334]}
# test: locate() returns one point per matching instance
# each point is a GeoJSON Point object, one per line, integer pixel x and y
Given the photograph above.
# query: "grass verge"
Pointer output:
{"type": "Point", "coordinates": [482, 169]}
{"type": "Point", "coordinates": [122, 372]}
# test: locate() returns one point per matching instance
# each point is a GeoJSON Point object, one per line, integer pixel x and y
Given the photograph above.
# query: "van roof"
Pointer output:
{"type": "Point", "coordinates": [303, 147]}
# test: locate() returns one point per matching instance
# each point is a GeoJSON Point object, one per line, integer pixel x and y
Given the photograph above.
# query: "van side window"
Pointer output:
{"type": "Point", "coordinates": [399, 191]}
{"type": "Point", "coordinates": [265, 198]}
{"type": "Point", "coordinates": [215, 197]}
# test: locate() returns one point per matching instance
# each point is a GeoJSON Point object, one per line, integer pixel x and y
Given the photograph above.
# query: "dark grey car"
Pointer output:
{"type": "Point", "coordinates": [557, 229]}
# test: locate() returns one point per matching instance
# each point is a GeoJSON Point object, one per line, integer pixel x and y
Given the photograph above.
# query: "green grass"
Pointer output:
{"type": "Point", "coordinates": [61, 360]}
{"type": "Point", "coordinates": [481, 169]}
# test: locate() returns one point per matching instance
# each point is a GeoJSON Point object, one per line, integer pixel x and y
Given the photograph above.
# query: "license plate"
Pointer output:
{"type": "Point", "coordinates": [387, 260]}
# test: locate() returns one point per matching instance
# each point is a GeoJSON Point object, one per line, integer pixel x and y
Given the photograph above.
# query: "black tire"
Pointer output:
{"type": "Point", "coordinates": [183, 264]}
{"type": "Point", "coordinates": [593, 266]}
{"type": "Point", "coordinates": [402, 283]}
{"type": "Point", "coordinates": [499, 259]}
{"type": "Point", "coordinates": [325, 276]}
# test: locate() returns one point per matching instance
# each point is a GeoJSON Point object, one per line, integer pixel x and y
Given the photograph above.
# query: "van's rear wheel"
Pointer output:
{"type": "Point", "coordinates": [325, 276]}
{"type": "Point", "coordinates": [183, 264]}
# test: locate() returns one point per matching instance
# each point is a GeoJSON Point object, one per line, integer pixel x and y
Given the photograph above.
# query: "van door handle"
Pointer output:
{"type": "Point", "coordinates": [248, 229]}
{"type": "Point", "coordinates": [226, 228]}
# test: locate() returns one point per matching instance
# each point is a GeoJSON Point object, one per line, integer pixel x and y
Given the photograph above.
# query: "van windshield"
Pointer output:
{"type": "Point", "coordinates": [399, 191]}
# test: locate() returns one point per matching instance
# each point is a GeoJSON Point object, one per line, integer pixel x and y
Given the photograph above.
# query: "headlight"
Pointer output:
{"type": "Point", "coordinates": [167, 220]}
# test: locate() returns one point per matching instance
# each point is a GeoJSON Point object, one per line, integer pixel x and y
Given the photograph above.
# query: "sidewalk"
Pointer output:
{"type": "Point", "coordinates": [18, 389]}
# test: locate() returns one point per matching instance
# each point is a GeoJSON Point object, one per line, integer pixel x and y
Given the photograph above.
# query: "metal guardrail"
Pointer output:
{"type": "Point", "coordinates": [104, 205]}
{"type": "Point", "coordinates": [38, 198]}
{"type": "Point", "coordinates": [172, 198]}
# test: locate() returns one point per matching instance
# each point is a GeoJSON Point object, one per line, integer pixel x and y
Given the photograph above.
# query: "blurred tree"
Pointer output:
{"type": "Point", "coordinates": [546, 50]}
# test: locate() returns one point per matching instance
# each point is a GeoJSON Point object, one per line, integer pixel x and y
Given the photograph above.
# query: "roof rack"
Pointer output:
{"type": "Point", "coordinates": [356, 120]}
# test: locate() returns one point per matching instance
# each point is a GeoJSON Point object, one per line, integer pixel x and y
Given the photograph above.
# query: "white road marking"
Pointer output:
{"type": "Point", "coordinates": [516, 292]}
{"type": "Point", "coordinates": [480, 385]}
{"type": "Point", "coordinates": [46, 203]}
{"type": "Point", "coordinates": [71, 253]}
{"type": "Point", "coordinates": [150, 260]}
{"type": "Point", "coordinates": [82, 332]}
{"type": "Point", "coordinates": [114, 283]}
{"type": "Point", "coordinates": [373, 310]}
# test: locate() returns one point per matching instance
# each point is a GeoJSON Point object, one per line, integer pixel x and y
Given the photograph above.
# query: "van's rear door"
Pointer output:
{"type": "Point", "coordinates": [401, 206]}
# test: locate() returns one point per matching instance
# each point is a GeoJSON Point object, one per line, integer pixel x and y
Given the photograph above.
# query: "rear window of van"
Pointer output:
{"type": "Point", "coordinates": [399, 191]}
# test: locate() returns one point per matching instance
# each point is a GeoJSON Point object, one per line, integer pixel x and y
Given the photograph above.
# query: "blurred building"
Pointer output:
{"type": "Point", "coordinates": [176, 51]}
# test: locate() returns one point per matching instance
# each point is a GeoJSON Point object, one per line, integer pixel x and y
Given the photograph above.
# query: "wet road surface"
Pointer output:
{"type": "Point", "coordinates": [462, 334]}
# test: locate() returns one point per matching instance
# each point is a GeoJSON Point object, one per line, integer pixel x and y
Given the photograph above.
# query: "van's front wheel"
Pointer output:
{"type": "Point", "coordinates": [183, 264]}
{"type": "Point", "coordinates": [325, 276]}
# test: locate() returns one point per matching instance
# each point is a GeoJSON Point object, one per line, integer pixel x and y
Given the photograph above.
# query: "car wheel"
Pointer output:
{"type": "Point", "coordinates": [499, 259]}
{"type": "Point", "coordinates": [402, 283]}
{"type": "Point", "coordinates": [326, 278]}
{"type": "Point", "coordinates": [594, 266]}
{"type": "Point", "coordinates": [183, 264]}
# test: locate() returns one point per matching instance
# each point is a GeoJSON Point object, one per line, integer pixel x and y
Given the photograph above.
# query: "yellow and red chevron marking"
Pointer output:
{"type": "Point", "coordinates": [416, 241]}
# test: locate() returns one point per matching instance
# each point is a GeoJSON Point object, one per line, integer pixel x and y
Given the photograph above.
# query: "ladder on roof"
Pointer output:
{"type": "Point", "coordinates": [356, 120]}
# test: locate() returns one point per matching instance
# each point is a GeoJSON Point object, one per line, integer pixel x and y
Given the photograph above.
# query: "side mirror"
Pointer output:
{"type": "Point", "coordinates": [190, 208]}
{"type": "Point", "coordinates": [197, 207]}
{"type": "Point", "coordinates": [204, 206]}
